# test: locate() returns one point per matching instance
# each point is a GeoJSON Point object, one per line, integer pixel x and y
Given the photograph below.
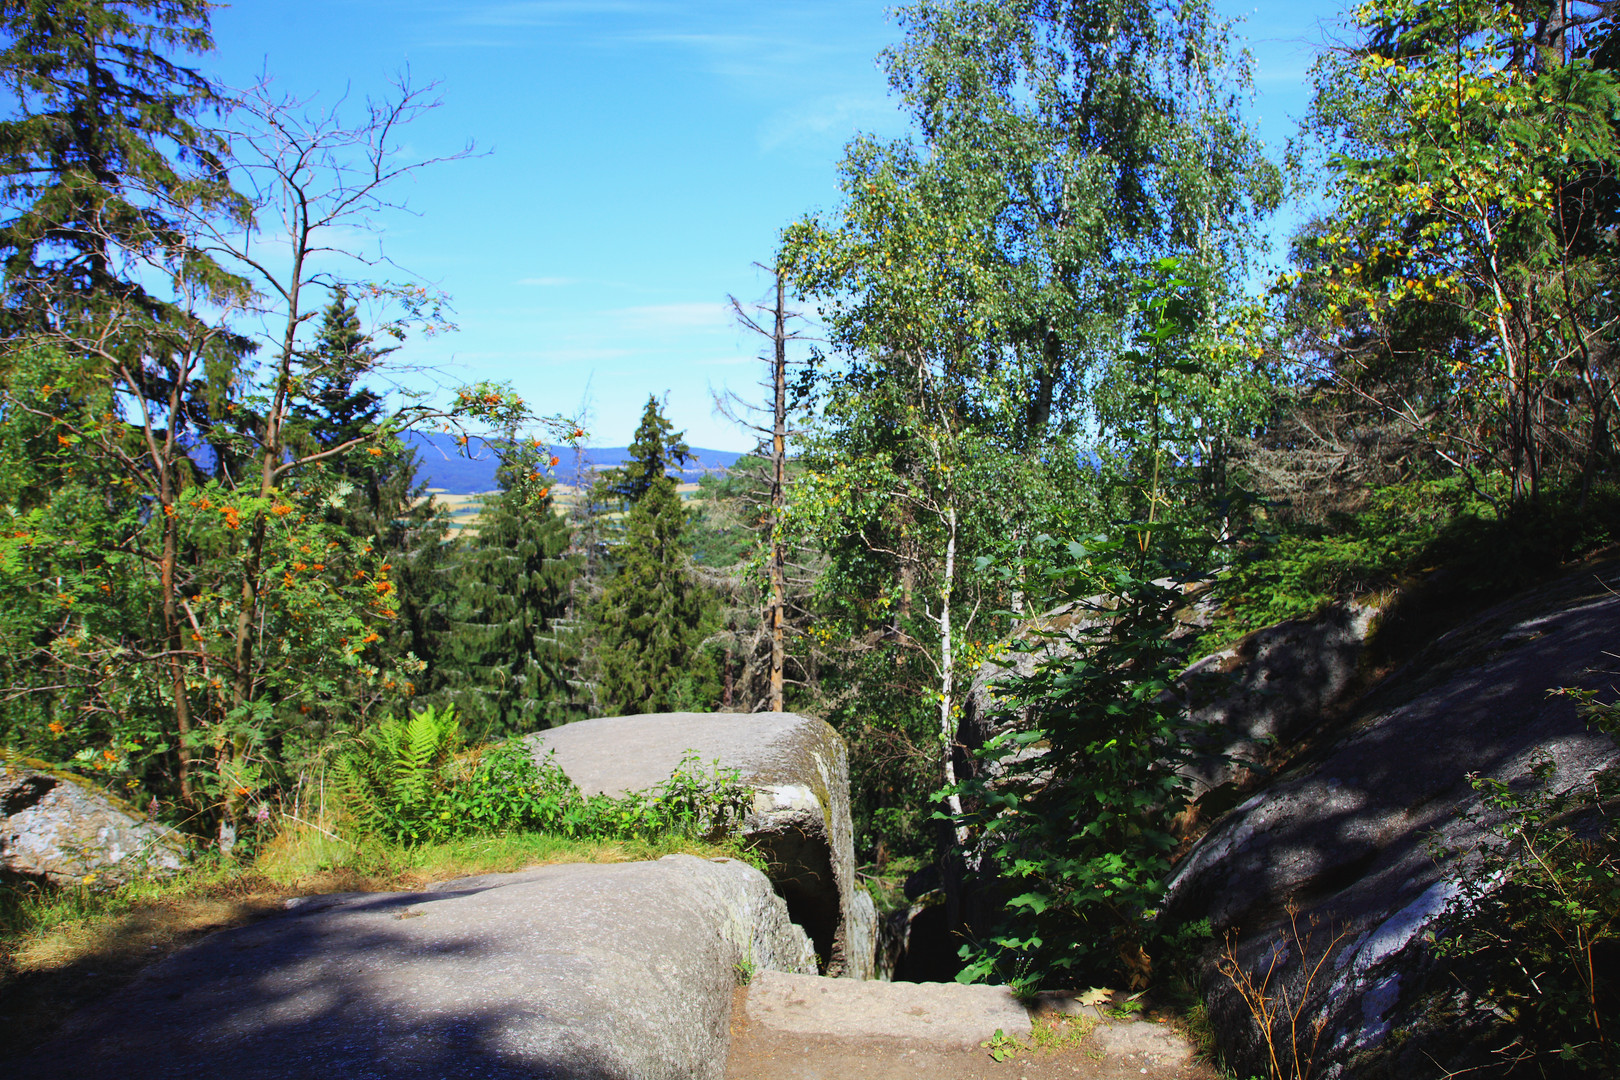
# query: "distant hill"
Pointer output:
{"type": "Point", "coordinates": [470, 470]}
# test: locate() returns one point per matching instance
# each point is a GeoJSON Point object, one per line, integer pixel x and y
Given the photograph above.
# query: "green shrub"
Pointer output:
{"type": "Point", "coordinates": [1534, 932]}
{"type": "Point", "coordinates": [1407, 530]}
{"type": "Point", "coordinates": [1295, 574]}
{"type": "Point", "coordinates": [410, 781]}
{"type": "Point", "coordinates": [395, 772]}
{"type": "Point", "coordinates": [1075, 804]}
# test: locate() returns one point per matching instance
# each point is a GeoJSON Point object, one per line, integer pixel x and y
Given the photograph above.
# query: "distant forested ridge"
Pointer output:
{"type": "Point", "coordinates": [444, 465]}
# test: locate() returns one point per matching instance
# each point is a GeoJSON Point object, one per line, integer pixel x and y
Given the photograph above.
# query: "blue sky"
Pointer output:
{"type": "Point", "coordinates": [636, 157]}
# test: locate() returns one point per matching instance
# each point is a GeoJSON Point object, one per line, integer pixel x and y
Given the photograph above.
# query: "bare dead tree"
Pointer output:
{"type": "Point", "coordinates": [777, 315]}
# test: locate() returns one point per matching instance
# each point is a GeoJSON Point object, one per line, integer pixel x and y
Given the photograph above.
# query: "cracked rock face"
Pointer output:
{"type": "Point", "coordinates": [798, 768]}
{"type": "Point", "coordinates": [59, 827]}
{"type": "Point", "coordinates": [1346, 833]}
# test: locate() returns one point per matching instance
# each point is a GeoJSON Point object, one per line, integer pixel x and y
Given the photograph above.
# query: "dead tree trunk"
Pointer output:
{"type": "Point", "coordinates": [777, 614]}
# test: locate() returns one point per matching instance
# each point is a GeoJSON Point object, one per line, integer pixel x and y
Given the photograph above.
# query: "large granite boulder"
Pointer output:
{"type": "Point", "coordinates": [561, 972]}
{"type": "Point", "coordinates": [798, 768]}
{"type": "Point", "coordinates": [1345, 833]}
{"type": "Point", "coordinates": [1272, 686]}
{"type": "Point", "coordinates": [58, 827]}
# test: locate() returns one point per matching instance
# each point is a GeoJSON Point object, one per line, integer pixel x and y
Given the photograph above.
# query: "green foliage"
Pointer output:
{"type": "Point", "coordinates": [1294, 574]}
{"type": "Point", "coordinates": [508, 654]}
{"type": "Point", "coordinates": [98, 100]}
{"type": "Point", "coordinates": [1073, 802]}
{"type": "Point", "coordinates": [409, 781]}
{"type": "Point", "coordinates": [1075, 806]}
{"type": "Point", "coordinates": [398, 771]}
{"type": "Point", "coordinates": [1469, 145]}
{"type": "Point", "coordinates": [651, 622]}
{"type": "Point", "coordinates": [1405, 532]}
{"type": "Point", "coordinates": [199, 543]}
{"type": "Point", "coordinates": [1533, 932]}
{"type": "Point", "coordinates": [656, 448]}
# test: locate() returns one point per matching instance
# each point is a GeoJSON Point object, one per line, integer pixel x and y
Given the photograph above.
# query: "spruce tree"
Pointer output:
{"type": "Point", "coordinates": [509, 654]}
{"type": "Point", "coordinates": [102, 120]}
{"type": "Point", "coordinates": [650, 622]}
{"type": "Point", "coordinates": [656, 449]}
{"type": "Point", "coordinates": [340, 406]}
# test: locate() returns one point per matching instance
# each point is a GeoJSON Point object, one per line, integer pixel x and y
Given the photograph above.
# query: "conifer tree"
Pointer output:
{"type": "Point", "coordinates": [340, 406]}
{"type": "Point", "coordinates": [508, 658]}
{"type": "Point", "coordinates": [99, 106]}
{"type": "Point", "coordinates": [651, 620]}
{"type": "Point", "coordinates": [656, 449]}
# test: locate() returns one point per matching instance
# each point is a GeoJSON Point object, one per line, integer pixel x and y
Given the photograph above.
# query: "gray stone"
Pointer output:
{"type": "Point", "coordinates": [61, 828]}
{"type": "Point", "coordinates": [1142, 1039]}
{"type": "Point", "coordinates": [798, 768]}
{"type": "Point", "coordinates": [1345, 834]}
{"type": "Point", "coordinates": [939, 1013]}
{"type": "Point", "coordinates": [603, 971]}
{"type": "Point", "coordinates": [862, 935]}
{"type": "Point", "coordinates": [1284, 678]}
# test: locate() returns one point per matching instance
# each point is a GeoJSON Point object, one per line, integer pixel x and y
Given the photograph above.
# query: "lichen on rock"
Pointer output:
{"type": "Point", "coordinates": [60, 828]}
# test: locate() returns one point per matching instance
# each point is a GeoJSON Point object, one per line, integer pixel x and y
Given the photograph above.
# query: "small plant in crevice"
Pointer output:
{"type": "Point", "coordinates": [1533, 933]}
{"type": "Point", "coordinates": [1290, 1036]}
{"type": "Point", "coordinates": [744, 970]}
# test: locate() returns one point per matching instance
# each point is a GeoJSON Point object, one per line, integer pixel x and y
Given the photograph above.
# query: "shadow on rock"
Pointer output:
{"type": "Point", "coordinates": [563, 971]}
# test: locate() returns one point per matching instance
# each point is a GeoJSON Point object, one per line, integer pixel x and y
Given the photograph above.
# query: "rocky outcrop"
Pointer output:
{"type": "Point", "coordinates": [58, 827]}
{"type": "Point", "coordinates": [798, 768]}
{"type": "Point", "coordinates": [1344, 833]}
{"type": "Point", "coordinates": [1274, 685]}
{"type": "Point", "coordinates": [572, 971]}
{"type": "Point", "coordinates": [1263, 692]}
{"type": "Point", "coordinates": [1267, 688]}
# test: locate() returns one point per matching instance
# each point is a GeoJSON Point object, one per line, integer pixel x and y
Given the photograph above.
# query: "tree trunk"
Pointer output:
{"type": "Point", "coordinates": [777, 613]}
{"type": "Point", "coordinates": [947, 684]}
{"type": "Point", "coordinates": [174, 633]}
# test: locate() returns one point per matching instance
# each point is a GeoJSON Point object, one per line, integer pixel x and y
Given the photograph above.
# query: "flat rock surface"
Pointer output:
{"type": "Point", "coordinates": [579, 970]}
{"type": "Point", "coordinates": [939, 1013]}
{"type": "Point", "coordinates": [1347, 832]}
{"type": "Point", "coordinates": [616, 754]}
{"type": "Point", "coordinates": [806, 1028]}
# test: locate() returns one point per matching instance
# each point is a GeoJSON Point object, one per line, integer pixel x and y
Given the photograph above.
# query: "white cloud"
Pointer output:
{"type": "Point", "coordinates": [656, 317]}
{"type": "Point", "coordinates": [548, 282]}
{"type": "Point", "coordinates": [829, 118]}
